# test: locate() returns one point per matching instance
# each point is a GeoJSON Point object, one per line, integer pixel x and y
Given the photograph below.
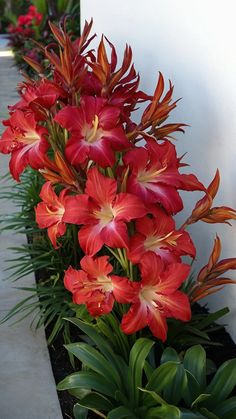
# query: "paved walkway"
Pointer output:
{"type": "Point", "coordinates": [27, 387]}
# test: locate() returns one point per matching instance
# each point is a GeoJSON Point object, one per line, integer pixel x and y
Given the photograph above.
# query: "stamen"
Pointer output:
{"type": "Point", "coordinates": [91, 137]}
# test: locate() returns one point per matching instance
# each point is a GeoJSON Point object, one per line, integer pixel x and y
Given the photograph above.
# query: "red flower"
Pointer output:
{"type": "Point", "coordinates": [94, 129]}
{"type": "Point", "coordinates": [156, 297]}
{"type": "Point", "coordinates": [158, 235]}
{"type": "Point", "coordinates": [25, 140]}
{"type": "Point", "coordinates": [155, 177]}
{"type": "Point", "coordinates": [103, 213]}
{"type": "Point", "coordinates": [49, 213]}
{"type": "Point", "coordinates": [95, 287]}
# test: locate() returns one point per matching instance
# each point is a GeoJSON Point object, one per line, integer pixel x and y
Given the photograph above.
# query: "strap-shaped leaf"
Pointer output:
{"type": "Point", "coordinates": [173, 393]}
{"type": "Point", "coordinates": [169, 354]}
{"type": "Point", "coordinates": [94, 360]}
{"type": "Point", "coordinates": [80, 412]}
{"type": "Point", "coordinates": [96, 401]}
{"type": "Point", "coordinates": [100, 342]}
{"type": "Point", "coordinates": [138, 354]}
{"type": "Point", "coordinates": [162, 376]}
{"type": "Point", "coordinates": [207, 414]}
{"type": "Point", "coordinates": [195, 363]}
{"type": "Point", "coordinates": [187, 414]}
{"type": "Point", "coordinates": [223, 382]}
{"type": "Point", "coordinates": [192, 390]}
{"type": "Point", "coordinates": [88, 380]}
{"type": "Point", "coordinates": [226, 409]}
{"type": "Point", "coordinates": [163, 412]}
{"type": "Point", "coordinates": [121, 412]}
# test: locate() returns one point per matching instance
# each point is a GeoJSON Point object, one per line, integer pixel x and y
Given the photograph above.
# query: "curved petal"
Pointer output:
{"type": "Point", "coordinates": [127, 207]}
{"type": "Point", "coordinates": [55, 231]}
{"type": "Point", "coordinates": [77, 209]}
{"type": "Point", "coordinates": [124, 290]}
{"type": "Point", "coordinates": [101, 153]}
{"type": "Point", "coordinates": [101, 188]}
{"type": "Point", "coordinates": [90, 239]}
{"type": "Point", "coordinates": [176, 305]}
{"type": "Point", "coordinates": [74, 279]}
{"type": "Point", "coordinates": [115, 234]}
{"type": "Point", "coordinates": [96, 266]}
{"type": "Point", "coordinates": [157, 324]}
{"type": "Point", "coordinates": [71, 118]}
{"type": "Point", "coordinates": [77, 150]}
{"type": "Point", "coordinates": [151, 267]}
{"type": "Point", "coordinates": [171, 279]}
{"type": "Point", "coordinates": [135, 319]}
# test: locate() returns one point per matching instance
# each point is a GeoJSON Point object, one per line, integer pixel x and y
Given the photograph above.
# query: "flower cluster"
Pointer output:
{"type": "Point", "coordinates": [26, 24]}
{"type": "Point", "coordinates": [117, 179]}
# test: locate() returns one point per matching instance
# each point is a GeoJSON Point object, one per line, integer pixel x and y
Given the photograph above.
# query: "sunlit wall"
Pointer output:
{"type": "Point", "coordinates": [193, 44]}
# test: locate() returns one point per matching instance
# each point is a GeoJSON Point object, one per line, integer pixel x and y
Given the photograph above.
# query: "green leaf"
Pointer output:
{"type": "Point", "coordinates": [173, 393]}
{"type": "Point", "coordinates": [154, 396]}
{"type": "Point", "coordinates": [162, 376]}
{"type": "Point", "coordinates": [100, 342]}
{"type": "Point", "coordinates": [169, 354]}
{"type": "Point", "coordinates": [212, 318]}
{"type": "Point", "coordinates": [138, 354]}
{"type": "Point", "coordinates": [223, 382]}
{"type": "Point", "coordinates": [226, 409]}
{"type": "Point", "coordinates": [201, 398]}
{"type": "Point", "coordinates": [187, 414]}
{"type": "Point", "coordinates": [195, 362]}
{"type": "Point", "coordinates": [192, 390]}
{"type": "Point", "coordinates": [96, 401]}
{"type": "Point", "coordinates": [80, 412]}
{"type": "Point", "coordinates": [163, 412]}
{"type": "Point", "coordinates": [120, 413]}
{"type": "Point", "coordinates": [89, 381]}
{"type": "Point", "coordinates": [94, 360]}
{"type": "Point", "coordinates": [207, 414]}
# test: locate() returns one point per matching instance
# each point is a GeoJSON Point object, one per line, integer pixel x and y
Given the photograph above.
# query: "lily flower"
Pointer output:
{"type": "Point", "coordinates": [25, 140]}
{"type": "Point", "coordinates": [155, 177]}
{"type": "Point", "coordinates": [156, 297]}
{"type": "Point", "coordinates": [159, 235]}
{"type": "Point", "coordinates": [49, 213]}
{"type": "Point", "coordinates": [103, 213]}
{"type": "Point", "coordinates": [94, 285]}
{"type": "Point", "coordinates": [95, 134]}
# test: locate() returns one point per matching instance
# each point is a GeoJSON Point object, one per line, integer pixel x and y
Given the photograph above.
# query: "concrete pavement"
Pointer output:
{"type": "Point", "coordinates": [27, 386]}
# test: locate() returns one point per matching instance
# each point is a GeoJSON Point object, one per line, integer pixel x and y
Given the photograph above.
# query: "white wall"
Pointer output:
{"type": "Point", "coordinates": [193, 44]}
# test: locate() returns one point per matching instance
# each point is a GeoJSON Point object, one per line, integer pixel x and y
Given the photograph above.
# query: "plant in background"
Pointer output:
{"type": "Point", "coordinates": [112, 190]}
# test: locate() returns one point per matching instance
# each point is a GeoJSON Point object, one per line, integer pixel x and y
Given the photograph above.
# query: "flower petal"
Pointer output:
{"type": "Point", "coordinates": [135, 319]}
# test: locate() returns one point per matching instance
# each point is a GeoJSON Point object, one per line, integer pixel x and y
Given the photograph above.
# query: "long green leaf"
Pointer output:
{"type": "Point", "coordinates": [162, 376]}
{"type": "Point", "coordinates": [89, 381]}
{"type": "Point", "coordinates": [138, 354]}
{"type": "Point", "coordinates": [96, 401]}
{"type": "Point", "coordinates": [163, 412]}
{"type": "Point", "coordinates": [223, 382]}
{"type": "Point", "coordinates": [80, 412]}
{"type": "Point", "coordinates": [121, 413]}
{"type": "Point", "coordinates": [226, 409]}
{"type": "Point", "coordinates": [195, 363]}
{"type": "Point", "coordinates": [93, 359]}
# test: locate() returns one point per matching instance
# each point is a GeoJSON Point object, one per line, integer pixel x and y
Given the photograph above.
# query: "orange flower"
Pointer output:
{"type": "Point", "coordinates": [60, 171]}
{"type": "Point", "coordinates": [209, 279]}
{"type": "Point", "coordinates": [203, 209]}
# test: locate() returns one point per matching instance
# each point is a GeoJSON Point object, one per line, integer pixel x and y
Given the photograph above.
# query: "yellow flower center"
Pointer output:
{"type": "Point", "coordinates": [93, 133]}
{"type": "Point", "coordinates": [153, 242]}
{"type": "Point", "coordinates": [105, 215]}
{"type": "Point", "coordinates": [149, 175]}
